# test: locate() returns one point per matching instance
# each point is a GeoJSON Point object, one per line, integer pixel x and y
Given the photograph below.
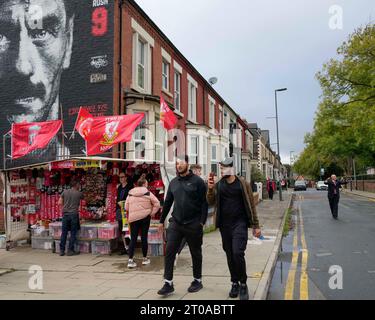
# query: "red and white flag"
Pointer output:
{"type": "Point", "coordinates": [108, 131]}
{"type": "Point", "coordinates": [27, 137]}
{"type": "Point", "coordinates": [167, 116]}
{"type": "Point", "coordinates": [83, 123]}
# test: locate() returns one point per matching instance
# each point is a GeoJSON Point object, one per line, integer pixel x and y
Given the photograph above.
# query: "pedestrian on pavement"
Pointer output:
{"type": "Point", "coordinates": [122, 193]}
{"type": "Point", "coordinates": [141, 205]}
{"type": "Point", "coordinates": [235, 213]}
{"type": "Point", "coordinates": [334, 194]}
{"type": "Point", "coordinates": [270, 188]}
{"type": "Point", "coordinates": [188, 194]}
{"type": "Point", "coordinates": [197, 170]}
{"type": "Point", "coordinates": [70, 201]}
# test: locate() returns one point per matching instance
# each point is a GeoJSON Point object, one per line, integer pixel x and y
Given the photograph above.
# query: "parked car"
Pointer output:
{"type": "Point", "coordinates": [300, 185]}
{"type": "Point", "coordinates": [321, 186]}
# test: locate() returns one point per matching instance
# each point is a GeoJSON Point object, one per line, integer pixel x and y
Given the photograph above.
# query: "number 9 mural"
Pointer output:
{"type": "Point", "coordinates": [55, 56]}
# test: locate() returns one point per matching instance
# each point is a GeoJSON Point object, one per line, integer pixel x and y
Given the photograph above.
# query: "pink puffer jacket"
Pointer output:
{"type": "Point", "coordinates": [141, 203]}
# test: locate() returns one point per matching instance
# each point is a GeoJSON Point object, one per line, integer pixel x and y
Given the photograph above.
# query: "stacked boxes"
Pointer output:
{"type": "Point", "coordinates": [55, 230]}
{"type": "Point", "coordinates": [88, 232]}
{"type": "Point", "coordinates": [81, 246]}
{"type": "Point", "coordinates": [103, 247]}
{"type": "Point", "coordinates": [108, 231]}
{"type": "Point", "coordinates": [42, 243]}
{"type": "Point", "coordinates": [156, 249]}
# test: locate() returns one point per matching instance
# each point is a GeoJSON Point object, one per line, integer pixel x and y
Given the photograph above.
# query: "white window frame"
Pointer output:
{"type": "Point", "coordinates": [159, 143]}
{"type": "Point", "coordinates": [214, 160]}
{"type": "Point", "coordinates": [191, 154]}
{"type": "Point", "coordinates": [165, 75]}
{"type": "Point", "coordinates": [204, 156]}
{"type": "Point", "coordinates": [138, 139]}
{"type": "Point", "coordinates": [212, 104]}
{"type": "Point", "coordinates": [177, 91]}
{"type": "Point", "coordinates": [192, 99]}
{"type": "Point", "coordinates": [140, 34]}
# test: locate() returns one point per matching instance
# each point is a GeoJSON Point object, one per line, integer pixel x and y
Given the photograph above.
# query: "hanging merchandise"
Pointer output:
{"type": "Point", "coordinates": [34, 196]}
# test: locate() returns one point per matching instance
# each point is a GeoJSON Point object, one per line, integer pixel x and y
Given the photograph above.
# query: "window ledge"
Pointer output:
{"type": "Point", "coordinates": [192, 121]}
{"type": "Point", "coordinates": [180, 114]}
{"type": "Point", "coordinates": [167, 93]}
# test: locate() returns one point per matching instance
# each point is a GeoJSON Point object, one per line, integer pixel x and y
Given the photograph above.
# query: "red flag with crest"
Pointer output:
{"type": "Point", "coordinates": [83, 123]}
{"type": "Point", "coordinates": [108, 131]}
{"type": "Point", "coordinates": [167, 116]}
{"type": "Point", "coordinates": [27, 137]}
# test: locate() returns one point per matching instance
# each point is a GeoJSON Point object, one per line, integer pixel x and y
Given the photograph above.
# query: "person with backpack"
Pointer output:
{"type": "Point", "coordinates": [141, 205]}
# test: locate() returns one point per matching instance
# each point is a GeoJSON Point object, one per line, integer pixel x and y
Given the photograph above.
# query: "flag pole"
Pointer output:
{"type": "Point", "coordinates": [63, 131]}
{"type": "Point", "coordinates": [74, 128]}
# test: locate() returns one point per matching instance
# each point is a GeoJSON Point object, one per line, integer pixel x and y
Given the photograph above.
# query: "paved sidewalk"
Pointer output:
{"type": "Point", "coordinates": [369, 195]}
{"type": "Point", "coordinates": [91, 277]}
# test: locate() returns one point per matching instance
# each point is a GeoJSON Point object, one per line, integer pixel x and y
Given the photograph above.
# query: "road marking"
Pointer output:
{"type": "Point", "coordinates": [324, 254]}
{"type": "Point", "coordinates": [289, 288]}
{"type": "Point", "coordinates": [304, 280]}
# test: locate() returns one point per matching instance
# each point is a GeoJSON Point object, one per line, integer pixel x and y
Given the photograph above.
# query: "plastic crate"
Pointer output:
{"type": "Point", "coordinates": [103, 247]}
{"type": "Point", "coordinates": [55, 229]}
{"type": "Point", "coordinates": [88, 232]}
{"type": "Point", "coordinates": [108, 231]}
{"type": "Point", "coordinates": [3, 241]}
{"type": "Point", "coordinates": [39, 232]}
{"type": "Point", "coordinates": [80, 246]}
{"type": "Point", "coordinates": [42, 243]}
{"type": "Point", "coordinates": [155, 236]}
{"type": "Point", "coordinates": [156, 250]}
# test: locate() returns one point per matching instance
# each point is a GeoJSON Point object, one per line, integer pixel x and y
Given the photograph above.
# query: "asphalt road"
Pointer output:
{"type": "Point", "coordinates": [321, 243]}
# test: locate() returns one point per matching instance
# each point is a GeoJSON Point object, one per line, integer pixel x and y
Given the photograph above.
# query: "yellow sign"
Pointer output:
{"type": "Point", "coordinates": [84, 164]}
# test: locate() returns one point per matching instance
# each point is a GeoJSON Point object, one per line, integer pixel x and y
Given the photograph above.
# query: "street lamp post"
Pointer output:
{"type": "Point", "coordinates": [277, 131]}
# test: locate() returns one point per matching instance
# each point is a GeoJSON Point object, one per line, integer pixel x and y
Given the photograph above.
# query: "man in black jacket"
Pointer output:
{"type": "Point", "coordinates": [235, 214]}
{"type": "Point", "coordinates": [334, 194]}
{"type": "Point", "coordinates": [188, 194]}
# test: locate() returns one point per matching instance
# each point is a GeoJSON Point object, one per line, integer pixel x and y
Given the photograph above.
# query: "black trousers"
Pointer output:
{"type": "Point", "coordinates": [193, 233]}
{"type": "Point", "coordinates": [144, 226]}
{"type": "Point", "coordinates": [334, 205]}
{"type": "Point", "coordinates": [270, 194]}
{"type": "Point", "coordinates": [234, 239]}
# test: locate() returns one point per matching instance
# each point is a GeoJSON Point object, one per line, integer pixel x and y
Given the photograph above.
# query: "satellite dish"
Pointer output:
{"type": "Point", "coordinates": [213, 80]}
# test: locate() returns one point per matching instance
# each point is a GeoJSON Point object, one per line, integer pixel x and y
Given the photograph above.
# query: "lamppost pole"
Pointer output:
{"type": "Point", "coordinates": [278, 141]}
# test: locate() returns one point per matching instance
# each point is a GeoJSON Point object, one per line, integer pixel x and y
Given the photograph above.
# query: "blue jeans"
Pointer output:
{"type": "Point", "coordinates": [70, 223]}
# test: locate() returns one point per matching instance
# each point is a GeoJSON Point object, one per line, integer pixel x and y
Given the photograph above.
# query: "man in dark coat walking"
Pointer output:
{"type": "Point", "coordinates": [334, 194]}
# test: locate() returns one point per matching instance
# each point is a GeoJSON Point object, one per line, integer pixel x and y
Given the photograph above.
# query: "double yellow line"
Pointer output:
{"type": "Point", "coordinates": [304, 280]}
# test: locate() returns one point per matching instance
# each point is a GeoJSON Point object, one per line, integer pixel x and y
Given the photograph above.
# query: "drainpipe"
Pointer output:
{"type": "Point", "coordinates": [121, 3]}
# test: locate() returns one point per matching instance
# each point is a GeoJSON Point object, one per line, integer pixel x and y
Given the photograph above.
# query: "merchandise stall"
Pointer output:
{"type": "Point", "coordinates": [33, 212]}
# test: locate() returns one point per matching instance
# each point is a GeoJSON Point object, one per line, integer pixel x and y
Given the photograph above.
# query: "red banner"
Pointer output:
{"type": "Point", "coordinates": [109, 131]}
{"type": "Point", "coordinates": [27, 137]}
{"type": "Point", "coordinates": [167, 116]}
{"type": "Point", "coordinates": [83, 123]}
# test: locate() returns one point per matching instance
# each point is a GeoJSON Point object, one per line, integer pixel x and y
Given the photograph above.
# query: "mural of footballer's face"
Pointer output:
{"type": "Point", "coordinates": [35, 47]}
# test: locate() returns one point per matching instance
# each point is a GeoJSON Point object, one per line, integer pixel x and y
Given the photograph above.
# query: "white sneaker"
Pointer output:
{"type": "Point", "coordinates": [131, 264]}
{"type": "Point", "coordinates": [146, 261]}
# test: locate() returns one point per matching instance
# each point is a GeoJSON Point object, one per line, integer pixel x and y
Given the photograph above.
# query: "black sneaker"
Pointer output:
{"type": "Point", "coordinates": [72, 253]}
{"type": "Point", "coordinates": [234, 292]}
{"type": "Point", "coordinates": [62, 254]}
{"type": "Point", "coordinates": [166, 290]}
{"type": "Point", "coordinates": [195, 286]}
{"type": "Point", "coordinates": [244, 292]}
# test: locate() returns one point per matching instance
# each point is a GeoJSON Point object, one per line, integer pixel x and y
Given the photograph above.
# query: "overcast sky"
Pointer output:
{"type": "Point", "coordinates": [257, 46]}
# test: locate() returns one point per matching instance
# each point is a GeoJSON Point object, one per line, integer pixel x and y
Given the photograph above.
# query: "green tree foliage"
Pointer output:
{"type": "Point", "coordinates": [257, 175]}
{"type": "Point", "coordinates": [345, 120]}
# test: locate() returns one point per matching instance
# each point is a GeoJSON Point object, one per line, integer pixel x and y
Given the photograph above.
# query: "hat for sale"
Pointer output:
{"type": "Point", "coordinates": [227, 162]}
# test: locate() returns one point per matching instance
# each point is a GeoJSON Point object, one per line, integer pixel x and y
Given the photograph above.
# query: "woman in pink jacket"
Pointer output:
{"type": "Point", "coordinates": [140, 204]}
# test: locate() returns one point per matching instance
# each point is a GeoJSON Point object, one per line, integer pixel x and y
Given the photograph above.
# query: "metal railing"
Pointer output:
{"type": "Point", "coordinates": [364, 182]}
